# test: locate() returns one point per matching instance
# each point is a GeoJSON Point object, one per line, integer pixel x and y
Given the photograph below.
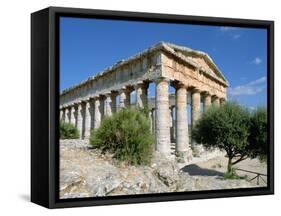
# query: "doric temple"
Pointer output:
{"type": "Point", "coordinates": [192, 73]}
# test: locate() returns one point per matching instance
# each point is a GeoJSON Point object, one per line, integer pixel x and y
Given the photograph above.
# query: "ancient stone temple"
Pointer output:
{"type": "Point", "coordinates": [193, 74]}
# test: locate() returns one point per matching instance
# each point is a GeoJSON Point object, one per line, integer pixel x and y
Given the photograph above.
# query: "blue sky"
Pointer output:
{"type": "Point", "coordinates": [89, 46]}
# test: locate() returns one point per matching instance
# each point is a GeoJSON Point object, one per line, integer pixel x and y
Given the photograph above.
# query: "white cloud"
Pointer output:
{"type": "Point", "coordinates": [251, 88]}
{"type": "Point", "coordinates": [257, 61]}
{"type": "Point", "coordinates": [236, 36]}
{"type": "Point", "coordinates": [226, 28]}
{"type": "Point", "coordinates": [231, 31]}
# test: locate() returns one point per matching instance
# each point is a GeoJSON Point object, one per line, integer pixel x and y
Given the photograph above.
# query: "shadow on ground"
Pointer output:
{"type": "Point", "coordinates": [194, 169]}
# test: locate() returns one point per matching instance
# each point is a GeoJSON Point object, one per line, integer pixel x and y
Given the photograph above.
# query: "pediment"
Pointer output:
{"type": "Point", "coordinates": [198, 59]}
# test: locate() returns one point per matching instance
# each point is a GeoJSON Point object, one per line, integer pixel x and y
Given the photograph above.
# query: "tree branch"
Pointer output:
{"type": "Point", "coordinates": [243, 157]}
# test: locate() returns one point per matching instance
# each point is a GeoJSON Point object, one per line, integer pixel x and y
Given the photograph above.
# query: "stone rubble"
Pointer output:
{"type": "Point", "coordinates": [85, 172]}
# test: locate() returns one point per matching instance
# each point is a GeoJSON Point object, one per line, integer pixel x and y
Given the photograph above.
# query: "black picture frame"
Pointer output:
{"type": "Point", "coordinates": [45, 106]}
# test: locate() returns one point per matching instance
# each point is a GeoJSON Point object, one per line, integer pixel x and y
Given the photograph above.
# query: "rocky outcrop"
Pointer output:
{"type": "Point", "coordinates": [85, 172]}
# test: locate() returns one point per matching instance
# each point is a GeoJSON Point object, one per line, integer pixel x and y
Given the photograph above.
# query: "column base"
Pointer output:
{"type": "Point", "coordinates": [197, 149]}
{"type": "Point", "coordinates": [184, 157]}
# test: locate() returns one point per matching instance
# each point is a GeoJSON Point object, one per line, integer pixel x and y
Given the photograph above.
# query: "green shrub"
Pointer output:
{"type": "Point", "coordinates": [233, 128]}
{"type": "Point", "coordinates": [68, 131]}
{"type": "Point", "coordinates": [227, 128]}
{"type": "Point", "coordinates": [258, 141]}
{"type": "Point", "coordinates": [127, 135]}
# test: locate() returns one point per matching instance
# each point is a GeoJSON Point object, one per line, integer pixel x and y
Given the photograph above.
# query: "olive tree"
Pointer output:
{"type": "Point", "coordinates": [227, 128]}
{"type": "Point", "coordinates": [257, 139]}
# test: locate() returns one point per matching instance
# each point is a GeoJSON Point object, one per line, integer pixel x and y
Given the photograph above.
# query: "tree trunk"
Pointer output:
{"type": "Point", "coordinates": [229, 165]}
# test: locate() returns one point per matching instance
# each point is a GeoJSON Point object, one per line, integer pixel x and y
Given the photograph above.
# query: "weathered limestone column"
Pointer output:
{"type": "Point", "coordinates": [207, 101]}
{"type": "Point", "coordinates": [67, 115]}
{"type": "Point", "coordinates": [153, 119]}
{"type": "Point", "coordinates": [113, 101]}
{"type": "Point", "coordinates": [63, 115]}
{"type": "Point", "coordinates": [72, 115]}
{"type": "Point", "coordinates": [171, 123]}
{"type": "Point", "coordinates": [195, 114]}
{"type": "Point", "coordinates": [107, 104]}
{"type": "Point", "coordinates": [141, 94]}
{"type": "Point", "coordinates": [162, 117]}
{"type": "Point", "coordinates": [80, 120]}
{"type": "Point", "coordinates": [195, 106]}
{"type": "Point", "coordinates": [216, 101]}
{"type": "Point", "coordinates": [183, 150]}
{"type": "Point", "coordinates": [92, 111]}
{"type": "Point", "coordinates": [102, 105]}
{"type": "Point", "coordinates": [97, 112]}
{"type": "Point", "coordinates": [125, 98]}
{"type": "Point", "coordinates": [87, 117]}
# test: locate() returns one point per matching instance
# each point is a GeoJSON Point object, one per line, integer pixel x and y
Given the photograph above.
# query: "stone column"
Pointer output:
{"type": "Point", "coordinates": [195, 106]}
{"type": "Point", "coordinates": [113, 101]}
{"type": "Point", "coordinates": [207, 101]}
{"type": "Point", "coordinates": [153, 119]}
{"type": "Point", "coordinates": [216, 101]}
{"type": "Point", "coordinates": [162, 117]}
{"type": "Point", "coordinates": [67, 115]}
{"type": "Point", "coordinates": [87, 117]}
{"type": "Point", "coordinates": [102, 105]}
{"type": "Point", "coordinates": [72, 115]}
{"type": "Point", "coordinates": [183, 151]}
{"type": "Point", "coordinates": [141, 95]}
{"type": "Point", "coordinates": [92, 111]}
{"type": "Point", "coordinates": [80, 120]}
{"type": "Point", "coordinates": [107, 104]}
{"type": "Point", "coordinates": [125, 98]}
{"type": "Point", "coordinates": [172, 125]}
{"type": "Point", "coordinates": [97, 114]}
{"type": "Point", "coordinates": [63, 115]}
{"type": "Point", "coordinates": [195, 114]}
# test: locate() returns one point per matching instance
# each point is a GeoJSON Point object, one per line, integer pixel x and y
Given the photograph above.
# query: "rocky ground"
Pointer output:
{"type": "Point", "coordinates": [85, 172]}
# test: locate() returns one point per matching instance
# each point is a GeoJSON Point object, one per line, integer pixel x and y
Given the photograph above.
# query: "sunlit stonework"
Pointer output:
{"type": "Point", "coordinates": [192, 73]}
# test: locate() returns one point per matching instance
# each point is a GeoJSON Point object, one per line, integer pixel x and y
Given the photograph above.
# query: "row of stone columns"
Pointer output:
{"type": "Point", "coordinates": [163, 122]}
{"type": "Point", "coordinates": [88, 114]}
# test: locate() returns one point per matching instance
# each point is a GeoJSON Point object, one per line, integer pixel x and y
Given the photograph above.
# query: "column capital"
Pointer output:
{"type": "Point", "coordinates": [79, 105]}
{"type": "Point", "coordinates": [107, 94]}
{"type": "Point", "coordinates": [195, 90]}
{"type": "Point", "coordinates": [178, 84]}
{"type": "Point", "coordinates": [114, 93]}
{"type": "Point", "coordinates": [161, 79]}
{"type": "Point", "coordinates": [205, 93]}
{"type": "Point", "coordinates": [87, 103]}
{"type": "Point", "coordinates": [125, 89]}
{"type": "Point", "coordinates": [96, 97]}
{"type": "Point", "coordinates": [215, 97]}
{"type": "Point", "coordinates": [142, 84]}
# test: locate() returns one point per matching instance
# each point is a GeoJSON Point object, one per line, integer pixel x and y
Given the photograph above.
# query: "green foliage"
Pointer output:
{"type": "Point", "coordinates": [225, 127]}
{"type": "Point", "coordinates": [127, 135]}
{"type": "Point", "coordinates": [258, 134]}
{"type": "Point", "coordinates": [234, 129]}
{"type": "Point", "coordinates": [68, 131]}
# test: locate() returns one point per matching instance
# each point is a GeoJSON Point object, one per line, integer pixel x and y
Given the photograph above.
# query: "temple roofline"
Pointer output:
{"type": "Point", "coordinates": [161, 46]}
